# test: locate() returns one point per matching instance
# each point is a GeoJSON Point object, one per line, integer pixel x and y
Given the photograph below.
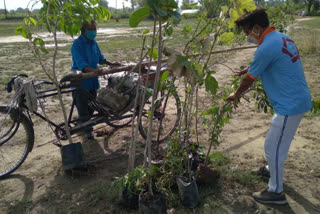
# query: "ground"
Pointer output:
{"type": "Point", "coordinates": [41, 186]}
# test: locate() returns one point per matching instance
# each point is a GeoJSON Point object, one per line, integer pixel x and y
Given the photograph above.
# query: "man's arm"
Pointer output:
{"type": "Point", "coordinates": [106, 62]}
{"type": "Point", "coordinates": [88, 69]}
{"type": "Point", "coordinates": [246, 82]}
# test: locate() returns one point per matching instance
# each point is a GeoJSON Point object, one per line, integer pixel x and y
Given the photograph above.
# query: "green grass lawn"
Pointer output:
{"type": "Point", "coordinates": [312, 23]}
{"type": "Point", "coordinates": [307, 36]}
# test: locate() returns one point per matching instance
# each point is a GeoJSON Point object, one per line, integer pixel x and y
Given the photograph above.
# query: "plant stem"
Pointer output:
{"type": "Point", "coordinates": [154, 97]}
{"type": "Point", "coordinates": [148, 72]}
{"type": "Point", "coordinates": [197, 109]}
{"type": "Point", "coordinates": [134, 130]}
{"type": "Point", "coordinates": [214, 41]}
{"type": "Point", "coordinates": [221, 113]}
{"type": "Point", "coordinates": [57, 85]}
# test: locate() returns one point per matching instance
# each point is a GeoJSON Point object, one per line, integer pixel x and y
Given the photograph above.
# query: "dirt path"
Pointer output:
{"type": "Point", "coordinates": [40, 185]}
{"type": "Point", "coordinates": [103, 32]}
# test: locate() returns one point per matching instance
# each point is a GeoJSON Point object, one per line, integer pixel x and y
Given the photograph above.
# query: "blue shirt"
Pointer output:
{"type": "Point", "coordinates": [278, 63]}
{"type": "Point", "coordinates": [86, 53]}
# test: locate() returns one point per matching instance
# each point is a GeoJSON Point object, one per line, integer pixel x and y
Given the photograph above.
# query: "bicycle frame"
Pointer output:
{"type": "Point", "coordinates": [76, 127]}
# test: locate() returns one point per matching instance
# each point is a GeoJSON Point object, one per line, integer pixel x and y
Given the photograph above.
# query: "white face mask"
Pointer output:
{"type": "Point", "coordinates": [253, 37]}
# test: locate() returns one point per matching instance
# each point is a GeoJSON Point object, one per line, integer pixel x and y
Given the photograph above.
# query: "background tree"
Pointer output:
{"type": "Point", "coordinates": [260, 3]}
{"type": "Point", "coordinates": [133, 3]}
{"type": "Point", "coordinates": [308, 3]}
{"type": "Point", "coordinates": [20, 10]}
{"type": "Point", "coordinates": [141, 3]}
{"type": "Point", "coordinates": [104, 3]}
{"type": "Point", "coordinates": [5, 9]}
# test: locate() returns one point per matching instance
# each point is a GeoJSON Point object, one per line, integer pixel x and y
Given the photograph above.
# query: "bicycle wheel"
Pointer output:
{"type": "Point", "coordinates": [120, 121]}
{"type": "Point", "coordinates": [166, 117]}
{"type": "Point", "coordinates": [16, 139]}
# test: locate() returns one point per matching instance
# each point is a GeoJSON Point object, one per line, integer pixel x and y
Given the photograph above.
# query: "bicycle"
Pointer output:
{"type": "Point", "coordinates": [17, 129]}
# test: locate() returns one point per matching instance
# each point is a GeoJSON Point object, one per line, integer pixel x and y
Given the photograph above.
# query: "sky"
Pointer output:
{"type": "Point", "coordinates": [14, 4]}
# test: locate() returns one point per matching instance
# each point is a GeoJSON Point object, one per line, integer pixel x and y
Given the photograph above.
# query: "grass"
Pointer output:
{"type": "Point", "coordinates": [21, 206]}
{"type": "Point", "coordinates": [312, 23]}
{"type": "Point", "coordinates": [307, 37]}
{"type": "Point", "coordinates": [307, 41]}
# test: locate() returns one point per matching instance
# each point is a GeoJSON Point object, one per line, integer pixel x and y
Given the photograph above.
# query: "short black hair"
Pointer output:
{"type": "Point", "coordinates": [258, 16]}
{"type": "Point", "coordinates": [84, 26]}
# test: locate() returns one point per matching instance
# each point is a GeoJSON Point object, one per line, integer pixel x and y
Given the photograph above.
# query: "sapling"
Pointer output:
{"type": "Point", "coordinates": [64, 15]}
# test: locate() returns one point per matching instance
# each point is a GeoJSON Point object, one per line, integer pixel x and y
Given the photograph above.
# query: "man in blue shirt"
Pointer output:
{"type": "Point", "coordinates": [85, 57]}
{"type": "Point", "coordinates": [277, 62]}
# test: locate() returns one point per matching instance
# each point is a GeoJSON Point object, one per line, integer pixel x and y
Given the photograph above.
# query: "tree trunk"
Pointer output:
{"type": "Point", "coordinates": [5, 9]}
{"type": "Point", "coordinates": [310, 2]}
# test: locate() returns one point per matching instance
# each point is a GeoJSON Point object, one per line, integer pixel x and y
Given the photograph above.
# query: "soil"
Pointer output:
{"type": "Point", "coordinates": [41, 186]}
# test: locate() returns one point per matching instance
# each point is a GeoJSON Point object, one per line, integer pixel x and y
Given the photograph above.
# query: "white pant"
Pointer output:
{"type": "Point", "coordinates": [276, 146]}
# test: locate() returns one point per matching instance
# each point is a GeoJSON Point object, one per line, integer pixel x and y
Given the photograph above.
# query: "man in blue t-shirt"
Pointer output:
{"type": "Point", "coordinates": [277, 62]}
{"type": "Point", "coordinates": [85, 57]}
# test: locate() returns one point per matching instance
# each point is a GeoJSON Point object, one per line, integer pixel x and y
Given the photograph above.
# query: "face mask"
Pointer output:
{"type": "Point", "coordinates": [253, 38]}
{"type": "Point", "coordinates": [91, 34]}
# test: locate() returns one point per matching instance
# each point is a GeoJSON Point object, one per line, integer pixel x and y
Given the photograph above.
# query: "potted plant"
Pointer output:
{"type": "Point", "coordinates": [129, 187]}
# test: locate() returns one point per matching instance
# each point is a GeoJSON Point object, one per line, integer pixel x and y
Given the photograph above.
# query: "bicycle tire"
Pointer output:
{"type": "Point", "coordinates": [170, 120]}
{"type": "Point", "coordinates": [119, 123]}
{"type": "Point", "coordinates": [16, 138]}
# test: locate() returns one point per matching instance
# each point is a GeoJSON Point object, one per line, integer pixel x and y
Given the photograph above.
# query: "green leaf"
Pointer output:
{"type": "Point", "coordinates": [183, 61]}
{"type": "Point", "coordinates": [211, 85]}
{"type": "Point", "coordinates": [164, 76]}
{"type": "Point", "coordinates": [160, 12]}
{"type": "Point", "coordinates": [248, 5]}
{"type": "Point", "coordinates": [198, 71]}
{"type": "Point", "coordinates": [209, 111]}
{"type": "Point", "coordinates": [175, 15]}
{"type": "Point", "coordinates": [193, 5]}
{"type": "Point", "coordinates": [224, 9]}
{"type": "Point", "coordinates": [234, 15]}
{"type": "Point", "coordinates": [138, 15]}
{"type": "Point", "coordinates": [186, 30]}
{"type": "Point", "coordinates": [170, 30]}
{"type": "Point", "coordinates": [265, 109]}
{"type": "Point", "coordinates": [146, 31]}
{"type": "Point", "coordinates": [154, 53]}
{"type": "Point", "coordinates": [22, 31]}
{"type": "Point", "coordinates": [227, 38]}
{"type": "Point", "coordinates": [33, 21]}
{"type": "Point", "coordinates": [44, 50]}
{"type": "Point", "coordinates": [170, 4]}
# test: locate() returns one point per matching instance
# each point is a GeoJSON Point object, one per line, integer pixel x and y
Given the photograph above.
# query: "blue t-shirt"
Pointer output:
{"type": "Point", "coordinates": [86, 53]}
{"type": "Point", "coordinates": [278, 63]}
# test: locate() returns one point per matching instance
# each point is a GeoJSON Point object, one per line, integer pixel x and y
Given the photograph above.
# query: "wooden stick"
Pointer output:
{"type": "Point", "coordinates": [113, 70]}
{"type": "Point", "coordinates": [132, 67]}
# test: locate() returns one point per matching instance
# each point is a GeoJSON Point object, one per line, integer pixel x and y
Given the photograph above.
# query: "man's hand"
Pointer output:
{"type": "Point", "coordinates": [116, 64]}
{"type": "Point", "coordinates": [233, 98]}
{"type": "Point", "coordinates": [240, 73]}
